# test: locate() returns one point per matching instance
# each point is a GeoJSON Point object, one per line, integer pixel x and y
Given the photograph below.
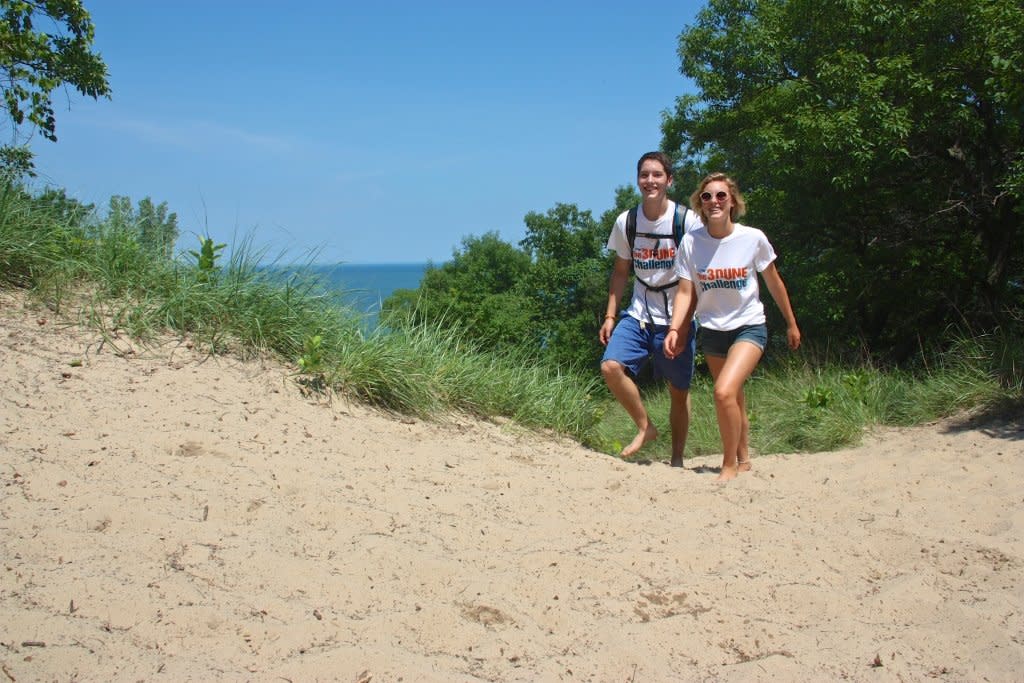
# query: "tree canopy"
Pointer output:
{"type": "Point", "coordinates": [154, 226]}
{"type": "Point", "coordinates": [879, 145]}
{"type": "Point", "coordinates": [546, 295]}
{"type": "Point", "coordinates": [43, 45]}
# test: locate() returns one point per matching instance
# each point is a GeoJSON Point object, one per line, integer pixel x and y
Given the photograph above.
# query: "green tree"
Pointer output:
{"type": "Point", "coordinates": [547, 295]}
{"type": "Point", "coordinates": [476, 290]}
{"type": "Point", "coordinates": [154, 227]}
{"type": "Point", "coordinates": [567, 280]}
{"type": "Point", "coordinates": [35, 61]}
{"type": "Point", "coordinates": [880, 147]}
{"type": "Point", "coordinates": [63, 209]}
{"type": "Point", "coordinates": [158, 228]}
{"type": "Point", "coordinates": [120, 213]}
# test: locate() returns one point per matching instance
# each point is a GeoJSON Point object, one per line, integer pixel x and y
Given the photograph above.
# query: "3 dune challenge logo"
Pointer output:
{"type": "Point", "coordinates": [722, 278]}
{"type": "Point", "coordinates": [654, 259]}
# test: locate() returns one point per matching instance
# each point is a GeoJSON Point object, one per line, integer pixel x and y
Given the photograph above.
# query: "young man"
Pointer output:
{"type": "Point", "coordinates": [640, 333]}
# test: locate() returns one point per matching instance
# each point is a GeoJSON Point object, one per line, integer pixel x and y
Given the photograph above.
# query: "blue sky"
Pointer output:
{"type": "Point", "coordinates": [380, 132]}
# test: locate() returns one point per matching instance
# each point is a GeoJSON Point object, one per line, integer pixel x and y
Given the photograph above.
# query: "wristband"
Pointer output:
{"type": "Point", "coordinates": [609, 317]}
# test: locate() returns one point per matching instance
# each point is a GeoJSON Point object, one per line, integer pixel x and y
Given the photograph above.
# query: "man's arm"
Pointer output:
{"type": "Point", "coordinates": [616, 285]}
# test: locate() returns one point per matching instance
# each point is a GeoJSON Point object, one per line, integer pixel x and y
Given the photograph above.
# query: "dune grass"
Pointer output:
{"type": "Point", "coordinates": [809, 404]}
{"type": "Point", "coordinates": [100, 272]}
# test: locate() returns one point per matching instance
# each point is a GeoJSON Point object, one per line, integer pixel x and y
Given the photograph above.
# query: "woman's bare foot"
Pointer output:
{"type": "Point", "coordinates": [642, 437]}
{"type": "Point", "coordinates": [728, 473]}
{"type": "Point", "coordinates": [743, 466]}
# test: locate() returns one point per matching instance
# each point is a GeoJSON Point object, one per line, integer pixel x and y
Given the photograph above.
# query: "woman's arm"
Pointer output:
{"type": "Point", "coordinates": [682, 313]}
{"type": "Point", "coordinates": [778, 290]}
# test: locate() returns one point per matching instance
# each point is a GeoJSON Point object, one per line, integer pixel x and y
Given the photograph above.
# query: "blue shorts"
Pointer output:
{"type": "Point", "coordinates": [631, 345]}
{"type": "Point", "coordinates": [718, 343]}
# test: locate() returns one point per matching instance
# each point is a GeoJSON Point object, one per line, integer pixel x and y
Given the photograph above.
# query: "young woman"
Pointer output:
{"type": "Point", "coordinates": [718, 264]}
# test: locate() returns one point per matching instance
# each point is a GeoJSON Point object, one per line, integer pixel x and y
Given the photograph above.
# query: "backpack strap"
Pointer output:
{"type": "Point", "coordinates": [678, 226]}
{"type": "Point", "coordinates": [678, 229]}
{"type": "Point", "coordinates": [631, 227]}
{"type": "Point", "coordinates": [679, 223]}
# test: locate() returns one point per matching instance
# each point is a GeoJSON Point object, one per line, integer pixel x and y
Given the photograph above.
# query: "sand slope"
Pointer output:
{"type": "Point", "coordinates": [166, 516]}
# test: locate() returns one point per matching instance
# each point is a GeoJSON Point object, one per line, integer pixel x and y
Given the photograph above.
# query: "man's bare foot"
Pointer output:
{"type": "Point", "coordinates": [744, 466]}
{"type": "Point", "coordinates": [728, 473]}
{"type": "Point", "coordinates": [642, 437]}
{"type": "Point", "coordinates": [677, 461]}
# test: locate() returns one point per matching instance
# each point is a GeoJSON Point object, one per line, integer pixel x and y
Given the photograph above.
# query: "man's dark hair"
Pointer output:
{"type": "Point", "coordinates": [660, 157]}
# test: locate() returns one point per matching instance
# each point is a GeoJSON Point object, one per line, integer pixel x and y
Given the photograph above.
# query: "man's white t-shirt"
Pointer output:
{"type": "Point", "coordinates": [724, 274]}
{"type": "Point", "coordinates": [654, 261]}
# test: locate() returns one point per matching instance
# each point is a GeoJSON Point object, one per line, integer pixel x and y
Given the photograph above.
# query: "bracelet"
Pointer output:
{"type": "Point", "coordinates": [609, 317]}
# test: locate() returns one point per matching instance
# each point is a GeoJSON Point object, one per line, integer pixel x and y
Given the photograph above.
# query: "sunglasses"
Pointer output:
{"type": "Point", "coordinates": [720, 196]}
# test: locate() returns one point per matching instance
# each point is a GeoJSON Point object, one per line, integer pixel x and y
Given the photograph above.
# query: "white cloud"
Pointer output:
{"type": "Point", "coordinates": [199, 135]}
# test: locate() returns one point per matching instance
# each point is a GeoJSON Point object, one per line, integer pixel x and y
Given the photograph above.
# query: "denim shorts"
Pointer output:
{"type": "Point", "coordinates": [632, 345]}
{"type": "Point", "coordinates": [718, 343]}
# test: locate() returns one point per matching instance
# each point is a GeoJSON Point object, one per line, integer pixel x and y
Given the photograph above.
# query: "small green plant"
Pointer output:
{"type": "Point", "coordinates": [857, 383]}
{"type": "Point", "coordinates": [312, 359]}
{"type": "Point", "coordinates": [311, 364]}
{"type": "Point", "coordinates": [819, 397]}
{"type": "Point", "coordinates": [206, 257]}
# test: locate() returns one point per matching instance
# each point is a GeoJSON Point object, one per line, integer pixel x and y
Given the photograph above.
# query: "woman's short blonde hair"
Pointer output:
{"type": "Point", "coordinates": [739, 205]}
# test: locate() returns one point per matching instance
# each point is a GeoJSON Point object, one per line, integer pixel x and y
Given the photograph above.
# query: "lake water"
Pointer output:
{"type": "Point", "coordinates": [365, 286]}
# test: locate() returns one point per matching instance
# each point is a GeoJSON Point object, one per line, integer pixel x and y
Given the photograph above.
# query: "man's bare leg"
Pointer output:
{"type": "Point", "coordinates": [679, 418]}
{"type": "Point", "coordinates": [626, 392]}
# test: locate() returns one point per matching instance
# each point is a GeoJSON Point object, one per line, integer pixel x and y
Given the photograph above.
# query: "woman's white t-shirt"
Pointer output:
{"type": "Point", "coordinates": [724, 274]}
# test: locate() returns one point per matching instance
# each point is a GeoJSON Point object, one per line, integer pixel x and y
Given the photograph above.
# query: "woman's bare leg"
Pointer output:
{"type": "Point", "coordinates": [729, 374]}
{"type": "Point", "coordinates": [743, 453]}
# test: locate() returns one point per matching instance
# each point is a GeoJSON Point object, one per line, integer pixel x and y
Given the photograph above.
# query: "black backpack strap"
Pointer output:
{"type": "Point", "coordinates": [678, 228]}
{"type": "Point", "coordinates": [631, 227]}
{"type": "Point", "coordinates": [679, 223]}
{"type": "Point", "coordinates": [662, 288]}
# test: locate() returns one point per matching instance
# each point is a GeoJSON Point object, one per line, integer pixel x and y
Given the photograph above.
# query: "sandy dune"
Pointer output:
{"type": "Point", "coordinates": [170, 517]}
